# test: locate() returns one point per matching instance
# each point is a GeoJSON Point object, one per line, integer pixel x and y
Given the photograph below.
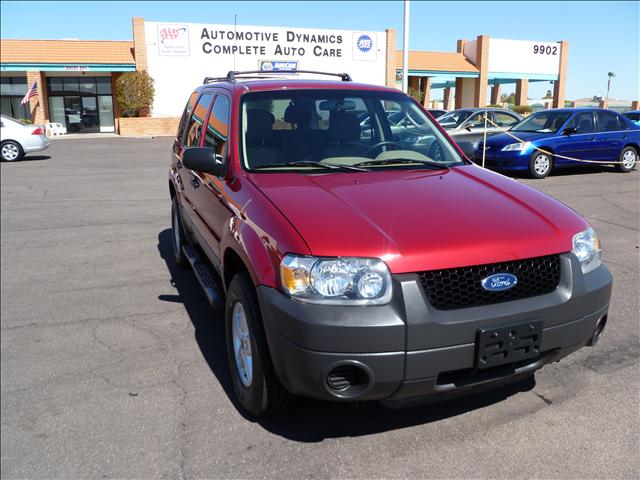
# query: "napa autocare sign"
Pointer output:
{"type": "Point", "coordinates": [180, 55]}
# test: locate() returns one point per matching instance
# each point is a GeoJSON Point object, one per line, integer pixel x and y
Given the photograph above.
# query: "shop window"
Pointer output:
{"type": "Point", "coordinates": [103, 85]}
{"type": "Point", "coordinates": [87, 85]}
{"type": "Point", "coordinates": [70, 84]}
{"type": "Point", "coordinates": [55, 86]}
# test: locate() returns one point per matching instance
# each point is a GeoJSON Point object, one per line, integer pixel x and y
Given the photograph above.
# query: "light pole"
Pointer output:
{"type": "Point", "coordinates": [610, 75]}
{"type": "Point", "coordinates": [405, 49]}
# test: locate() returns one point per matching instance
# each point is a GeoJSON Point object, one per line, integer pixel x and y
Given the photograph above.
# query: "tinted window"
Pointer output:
{"type": "Point", "coordinates": [583, 123]}
{"type": "Point", "coordinates": [104, 85]}
{"type": "Point", "coordinates": [504, 119]}
{"type": "Point", "coordinates": [218, 126]}
{"type": "Point", "coordinates": [634, 116]}
{"type": "Point", "coordinates": [453, 119]}
{"type": "Point", "coordinates": [609, 122]}
{"type": "Point", "coordinates": [547, 121]}
{"type": "Point", "coordinates": [194, 130]}
{"type": "Point", "coordinates": [476, 121]}
{"type": "Point", "coordinates": [186, 115]}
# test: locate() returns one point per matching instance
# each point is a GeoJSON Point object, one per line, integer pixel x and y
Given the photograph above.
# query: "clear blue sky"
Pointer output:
{"type": "Point", "coordinates": [604, 36]}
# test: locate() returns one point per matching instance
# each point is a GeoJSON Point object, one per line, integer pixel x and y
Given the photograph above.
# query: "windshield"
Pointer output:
{"type": "Point", "coordinates": [339, 131]}
{"type": "Point", "coordinates": [454, 119]}
{"type": "Point", "coordinates": [543, 122]}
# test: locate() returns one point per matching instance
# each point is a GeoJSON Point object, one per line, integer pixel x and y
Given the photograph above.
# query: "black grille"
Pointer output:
{"type": "Point", "coordinates": [461, 287]}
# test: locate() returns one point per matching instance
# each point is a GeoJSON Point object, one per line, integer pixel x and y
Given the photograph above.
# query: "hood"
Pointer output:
{"type": "Point", "coordinates": [502, 139]}
{"type": "Point", "coordinates": [422, 220]}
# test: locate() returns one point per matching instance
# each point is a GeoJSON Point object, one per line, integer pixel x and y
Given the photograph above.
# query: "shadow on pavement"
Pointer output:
{"type": "Point", "coordinates": [310, 420]}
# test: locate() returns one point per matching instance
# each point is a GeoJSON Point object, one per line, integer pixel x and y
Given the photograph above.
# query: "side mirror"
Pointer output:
{"type": "Point", "coordinates": [204, 160]}
{"type": "Point", "coordinates": [467, 127]}
{"type": "Point", "coordinates": [569, 131]}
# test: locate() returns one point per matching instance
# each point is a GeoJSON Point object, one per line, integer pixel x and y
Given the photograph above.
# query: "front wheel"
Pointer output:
{"type": "Point", "coordinates": [628, 159]}
{"type": "Point", "coordinates": [540, 165]}
{"type": "Point", "coordinates": [11, 151]}
{"type": "Point", "coordinates": [255, 383]}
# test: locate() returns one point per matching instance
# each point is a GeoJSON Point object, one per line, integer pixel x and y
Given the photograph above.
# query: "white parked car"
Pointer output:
{"type": "Point", "coordinates": [17, 139]}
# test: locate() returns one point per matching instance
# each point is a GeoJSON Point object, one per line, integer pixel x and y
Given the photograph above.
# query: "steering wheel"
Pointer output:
{"type": "Point", "coordinates": [372, 148]}
{"type": "Point", "coordinates": [436, 151]}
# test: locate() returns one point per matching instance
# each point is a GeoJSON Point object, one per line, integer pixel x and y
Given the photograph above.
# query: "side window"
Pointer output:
{"type": "Point", "coordinates": [504, 119]}
{"type": "Point", "coordinates": [475, 121]}
{"type": "Point", "coordinates": [217, 131]}
{"type": "Point", "coordinates": [609, 122]}
{"type": "Point", "coordinates": [194, 128]}
{"type": "Point", "coordinates": [583, 123]}
{"type": "Point", "coordinates": [185, 116]}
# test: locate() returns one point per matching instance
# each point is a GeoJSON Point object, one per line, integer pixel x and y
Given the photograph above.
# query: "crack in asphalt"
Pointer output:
{"type": "Point", "coordinates": [543, 398]}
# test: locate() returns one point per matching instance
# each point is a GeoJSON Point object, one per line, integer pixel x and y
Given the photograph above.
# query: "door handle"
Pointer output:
{"type": "Point", "coordinates": [195, 183]}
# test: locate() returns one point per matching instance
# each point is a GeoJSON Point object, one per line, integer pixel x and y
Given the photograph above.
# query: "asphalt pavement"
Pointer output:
{"type": "Point", "coordinates": [114, 365]}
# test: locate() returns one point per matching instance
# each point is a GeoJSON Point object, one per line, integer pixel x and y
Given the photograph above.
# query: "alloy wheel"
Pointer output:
{"type": "Point", "coordinates": [242, 345]}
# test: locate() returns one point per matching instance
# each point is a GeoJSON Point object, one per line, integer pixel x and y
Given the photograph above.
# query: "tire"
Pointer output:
{"type": "Point", "coordinates": [629, 157]}
{"type": "Point", "coordinates": [255, 383]}
{"type": "Point", "coordinates": [179, 239]}
{"type": "Point", "coordinates": [540, 164]}
{"type": "Point", "coordinates": [11, 151]}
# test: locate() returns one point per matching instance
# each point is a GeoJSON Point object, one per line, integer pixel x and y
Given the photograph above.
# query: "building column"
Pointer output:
{"type": "Point", "coordinates": [139, 43]}
{"type": "Point", "coordinates": [522, 90]}
{"type": "Point", "coordinates": [446, 100]}
{"type": "Point", "coordinates": [38, 105]}
{"type": "Point", "coordinates": [390, 80]}
{"type": "Point", "coordinates": [426, 91]}
{"type": "Point", "coordinates": [635, 105]}
{"type": "Point", "coordinates": [603, 104]}
{"type": "Point", "coordinates": [560, 84]}
{"type": "Point", "coordinates": [482, 62]}
{"type": "Point", "coordinates": [495, 94]}
{"type": "Point", "coordinates": [458, 98]}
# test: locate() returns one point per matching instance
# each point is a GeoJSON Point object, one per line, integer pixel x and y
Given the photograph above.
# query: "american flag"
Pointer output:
{"type": "Point", "coordinates": [33, 92]}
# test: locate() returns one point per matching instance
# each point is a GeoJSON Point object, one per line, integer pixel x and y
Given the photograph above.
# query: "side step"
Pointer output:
{"type": "Point", "coordinates": [207, 278]}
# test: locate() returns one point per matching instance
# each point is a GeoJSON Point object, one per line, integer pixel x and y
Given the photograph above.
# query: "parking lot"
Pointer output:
{"type": "Point", "coordinates": [114, 365]}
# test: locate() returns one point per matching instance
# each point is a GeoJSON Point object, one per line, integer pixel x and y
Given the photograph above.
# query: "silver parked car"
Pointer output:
{"type": "Point", "coordinates": [466, 125]}
{"type": "Point", "coordinates": [17, 139]}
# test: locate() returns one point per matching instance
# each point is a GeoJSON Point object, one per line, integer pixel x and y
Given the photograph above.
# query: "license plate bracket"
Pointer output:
{"type": "Point", "coordinates": [508, 344]}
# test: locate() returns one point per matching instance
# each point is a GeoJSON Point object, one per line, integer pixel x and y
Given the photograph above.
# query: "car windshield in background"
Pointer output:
{"type": "Point", "coordinates": [453, 119]}
{"type": "Point", "coordinates": [339, 131]}
{"type": "Point", "coordinates": [543, 122]}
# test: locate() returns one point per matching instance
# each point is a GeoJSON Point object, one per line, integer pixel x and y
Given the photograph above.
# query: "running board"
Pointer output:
{"type": "Point", "coordinates": [207, 278]}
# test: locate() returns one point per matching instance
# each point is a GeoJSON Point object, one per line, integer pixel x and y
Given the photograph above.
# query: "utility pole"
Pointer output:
{"type": "Point", "coordinates": [405, 49]}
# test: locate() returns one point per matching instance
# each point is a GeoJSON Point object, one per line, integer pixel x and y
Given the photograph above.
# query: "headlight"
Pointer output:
{"type": "Point", "coordinates": [586, 247]}
{"type": "Point", "coordinates": [344, 280]}
{"type": "Point", "coordinates": [516, 146]}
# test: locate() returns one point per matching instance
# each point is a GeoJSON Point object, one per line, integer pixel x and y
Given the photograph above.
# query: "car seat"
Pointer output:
{"type": "Point", "coordinates": [259, 134]}
{"type": "Point", "coordinates": [344, 133]}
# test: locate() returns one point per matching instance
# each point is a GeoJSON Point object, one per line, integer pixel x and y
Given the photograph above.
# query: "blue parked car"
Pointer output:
{"type": "Point", "coordinates": [582, 133]}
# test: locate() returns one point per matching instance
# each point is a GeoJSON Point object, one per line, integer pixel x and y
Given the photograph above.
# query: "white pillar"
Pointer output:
{"type": "Point", "coordinates": [405, 49]}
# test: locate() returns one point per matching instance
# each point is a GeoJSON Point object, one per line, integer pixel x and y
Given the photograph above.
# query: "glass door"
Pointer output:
{"type": "Point", "coordinates": [73, 114]}
{"type": "Point", "coordinates": [89, 116]}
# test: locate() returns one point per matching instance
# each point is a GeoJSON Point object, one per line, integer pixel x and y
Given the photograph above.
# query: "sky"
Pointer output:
{"type": "Point", "coordinates": [604, 36]}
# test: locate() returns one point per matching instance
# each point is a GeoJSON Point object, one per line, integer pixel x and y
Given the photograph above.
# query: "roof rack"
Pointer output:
{"type": "Point", "coordinates": [233, 75]}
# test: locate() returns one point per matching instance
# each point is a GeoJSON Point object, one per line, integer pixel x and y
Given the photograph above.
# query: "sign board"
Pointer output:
{"type": "Point", "coordinates": [524, 57]}
{"type": "Point", "coordinates": [180, 55]}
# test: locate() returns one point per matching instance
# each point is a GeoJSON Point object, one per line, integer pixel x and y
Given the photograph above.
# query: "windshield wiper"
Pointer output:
{"type": "Point", "coordinates": [391, 161]}
{"type": "Point", "coordinates": [310, 163]}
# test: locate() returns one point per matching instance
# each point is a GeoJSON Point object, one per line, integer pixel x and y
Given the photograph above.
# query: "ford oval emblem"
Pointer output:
{"type": "Point", "coordinates": [499, 281]}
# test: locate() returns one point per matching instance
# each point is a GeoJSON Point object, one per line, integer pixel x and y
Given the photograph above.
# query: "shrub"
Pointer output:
{"type": "Point", "coordinates": [494, 105]}
{"type": "Point", "coordinates": [416, 94]}
{"type": "Point", "coordinates": [522, 109]}
{"type": "Point", "coordinates": [134, 92]}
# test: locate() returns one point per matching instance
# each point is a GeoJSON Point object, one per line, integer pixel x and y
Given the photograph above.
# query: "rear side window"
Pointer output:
{"type": "Point", "coordinates": [194, 128]}
{"type": "Point", "coordinates": [633, 116]}
{"type": "Point", "coordinates": [609, 122]}
{"type": "Point", "coordinates": [185, 115]}
{"type": "Point", "coordinates": [218, 126]}
{"type": "Point", "coordinates": [583, 123]}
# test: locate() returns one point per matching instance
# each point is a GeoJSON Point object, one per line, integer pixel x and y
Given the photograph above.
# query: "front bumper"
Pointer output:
{"type": "Point", "coordinates": [407, 349]}
{"type": "Point", "coordinates": [502, 160]}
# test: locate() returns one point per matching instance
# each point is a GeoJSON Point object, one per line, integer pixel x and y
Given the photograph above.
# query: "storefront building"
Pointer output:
{"type": "Point", "coordinates": [76, 79]}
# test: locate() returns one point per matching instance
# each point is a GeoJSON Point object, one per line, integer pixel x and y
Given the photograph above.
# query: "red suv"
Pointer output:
{"type": "Point", "coordinates": [360, 259]}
